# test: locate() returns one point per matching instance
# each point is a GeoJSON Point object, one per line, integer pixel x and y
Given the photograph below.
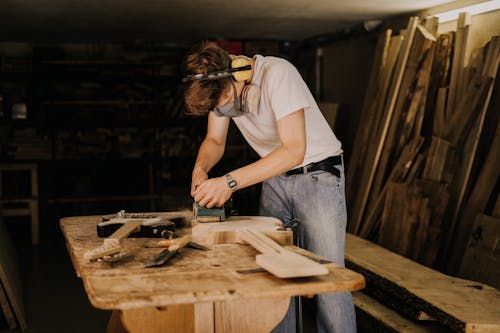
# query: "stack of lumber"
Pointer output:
{"type": "Point", "coordinates": [418, 177]}
{"type": "Point", "coordinates": [404, 296]}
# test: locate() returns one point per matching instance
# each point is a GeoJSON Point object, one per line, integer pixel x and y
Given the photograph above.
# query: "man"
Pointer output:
{"type": "Point", "coordinates": [301, 163]}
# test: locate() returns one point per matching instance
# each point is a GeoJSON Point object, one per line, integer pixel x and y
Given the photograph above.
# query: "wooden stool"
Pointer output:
{"type": "Point", "coordinates": [30, 203]}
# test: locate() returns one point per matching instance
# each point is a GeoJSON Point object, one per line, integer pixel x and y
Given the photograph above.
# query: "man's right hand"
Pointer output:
{"type": "Point", "coordinates": [198, 177]}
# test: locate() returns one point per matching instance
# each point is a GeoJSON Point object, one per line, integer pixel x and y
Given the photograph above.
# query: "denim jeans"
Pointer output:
{"type": "Point", "coordinates": [317, 201]}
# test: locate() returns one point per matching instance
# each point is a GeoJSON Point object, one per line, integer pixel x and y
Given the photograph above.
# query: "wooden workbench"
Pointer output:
{"type": "Point", "coordinates": [198, 291]}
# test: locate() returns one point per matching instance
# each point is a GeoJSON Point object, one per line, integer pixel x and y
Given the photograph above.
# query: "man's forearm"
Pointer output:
{"type": "Point", "coordinates": [209, 154]}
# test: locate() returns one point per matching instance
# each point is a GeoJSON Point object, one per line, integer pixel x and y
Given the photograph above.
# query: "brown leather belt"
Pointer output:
{"type": "Point", "coordinates": [328, 165]}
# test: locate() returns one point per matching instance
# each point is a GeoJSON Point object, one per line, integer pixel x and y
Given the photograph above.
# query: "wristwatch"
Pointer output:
{"type": "Point", "coordinates": [233, 185]}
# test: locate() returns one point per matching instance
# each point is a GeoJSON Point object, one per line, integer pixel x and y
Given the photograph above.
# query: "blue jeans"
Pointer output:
{"type": "Point", "coordinates": [317, 201]}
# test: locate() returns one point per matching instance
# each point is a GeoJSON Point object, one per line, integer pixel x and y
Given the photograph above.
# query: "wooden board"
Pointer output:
{"type": "Point", "coordinates": [279, 261]}
{"type": "Point", "coordinates": [227, 232]}
{"type": "Point", "coordinates": [10, 277]}
{"type": "Point", "coordinates": [478, 199]}
{"type": "Point", "coordinates": [388, 319]}
{"type": "Point", "coordinates": [369, 169]}
{"type": "Point", "coordinates": [458, 66]}
{"type": "Point", "coordinates": [462, 305]}
{"type": "Point", "coordinates": [412, 79]}
{"type": "Point", "coordinates": [222, 274]}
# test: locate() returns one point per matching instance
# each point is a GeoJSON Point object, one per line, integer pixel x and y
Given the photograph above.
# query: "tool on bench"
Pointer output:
{"type": "Point", "coordinates": [171, 238]}
{"type": "Point", "coordinates": [173, 248]}
{"type": "Point", "coordinates": [111, 249]}
{"type": "Point", "coordinates": [214, 214]}
{"type": "Point", "coordinates": [203, 214]}
{"type": "Point", "coordinates": [152, 225]}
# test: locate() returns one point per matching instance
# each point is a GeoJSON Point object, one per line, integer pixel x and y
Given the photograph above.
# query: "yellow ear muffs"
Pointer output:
{"type": "Point", "coordinates": [243, 75]}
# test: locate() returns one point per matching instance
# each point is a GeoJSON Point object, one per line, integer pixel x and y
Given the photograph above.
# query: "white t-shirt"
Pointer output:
{"type": "Point", "coordinates": [283, 91]}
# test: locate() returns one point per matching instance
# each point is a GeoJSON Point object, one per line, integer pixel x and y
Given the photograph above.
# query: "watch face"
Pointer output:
{"type": "Point", "coordinates": [233, 185]}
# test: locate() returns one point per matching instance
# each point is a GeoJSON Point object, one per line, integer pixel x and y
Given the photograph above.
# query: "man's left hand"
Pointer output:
{"type": "Point", "coordinates": [212, 192]}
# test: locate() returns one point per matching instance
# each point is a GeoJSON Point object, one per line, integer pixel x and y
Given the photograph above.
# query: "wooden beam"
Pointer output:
{"type": "Point", "coordinates": [413, 83]}
{"type": "Point", "coordinates": [370, 168]}
{"type": "Point", "coordinates": [461, 305]}
{"type": "Point", "coordinates": [478, 199]}
{"type": "Point", "coordinates": [458, 65]}
{"type": "Point", "coordinates": [388, 319]}
{"type": "Point", "coordinates": [368, 112]}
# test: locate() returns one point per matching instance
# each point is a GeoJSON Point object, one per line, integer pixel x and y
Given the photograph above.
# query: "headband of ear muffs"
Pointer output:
{"type": "Point", "coordinates": [239, 68]}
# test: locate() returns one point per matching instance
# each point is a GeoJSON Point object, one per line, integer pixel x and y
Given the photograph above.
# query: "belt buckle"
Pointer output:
{"type": "Point", "coordinates": [305, 169]}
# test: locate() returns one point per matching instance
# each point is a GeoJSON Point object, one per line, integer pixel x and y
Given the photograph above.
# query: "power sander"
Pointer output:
{"type": "Point", "coordinates": [214, 214]}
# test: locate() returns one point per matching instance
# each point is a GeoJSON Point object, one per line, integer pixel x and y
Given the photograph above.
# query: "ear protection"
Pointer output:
{"type": "Point", "coordinates": [239, 68]}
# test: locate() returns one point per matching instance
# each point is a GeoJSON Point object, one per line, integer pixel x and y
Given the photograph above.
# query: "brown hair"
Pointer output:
{"type": "Point", "coordinates": [201, 96]}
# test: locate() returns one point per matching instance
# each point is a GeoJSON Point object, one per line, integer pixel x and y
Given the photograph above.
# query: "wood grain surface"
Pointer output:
{"type": "Point", "coordinates": [462, 305]}
{"type": "Point", "coordinates": [220, 274]}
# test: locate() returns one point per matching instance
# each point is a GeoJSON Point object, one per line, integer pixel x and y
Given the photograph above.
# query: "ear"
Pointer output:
{"type": "Point", "coordinates": [243, 75]}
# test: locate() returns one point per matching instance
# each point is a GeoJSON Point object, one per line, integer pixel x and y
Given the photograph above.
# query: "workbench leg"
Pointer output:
{"type": "Point", "coordinates": [246, 316]}
{"type": "Point", "coordinates": [250, 316]}
{"type": "Point", "coordinates": [168, 319]}
{"type": "Point", "coordinates": [115, 323]}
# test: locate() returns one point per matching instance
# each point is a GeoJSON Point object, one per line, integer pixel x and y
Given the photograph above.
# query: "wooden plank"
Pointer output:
{"type": "Point", "coordinates": [414, 116]}
{"type": "Point", "coordinates": [370, 168]}
{"type": "Point", "coordinates": [461, 305]}
{"type": "Point", "coordinates": [370, 132]}
{"type": "Point", "coordinates": [390, 320]}
{"type": "Point", "coordinates": [402, 216]}
{"type": "Point", "coordinates": [438, 196]}
{"type": "Point", "coordinates": [368, 111]}
{"type": "Point", "coordinates": [398, 174]}
{"type": "Point", "coordinates": [278, 261]}
{"type": "Point", "coordinates": [468, 110]}
{"type": "Point", "coordinates": [438, 155]}
{"type": "Point", "coordinates": [10, 277]}
{"type": "Point", "coordinates": [438, 86]}
{"type": "Point", "coordinates": [478, 199]}
{"type": "Point", "coordinates": [419, 62]}
{"type": "Point", "coordinates": [458, 65]}
{"type": "Point", "coordinates": [490, 70]}
{"type": "Point", "coordinates": [480, 261]}
{"type": "Point", "coordinates": [439, 121]}
{"type": "Point", "coordinates": [390, 233]}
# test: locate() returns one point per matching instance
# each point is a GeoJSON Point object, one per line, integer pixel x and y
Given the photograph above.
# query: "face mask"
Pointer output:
{"type": "Point", "coordinates": [248, 102]}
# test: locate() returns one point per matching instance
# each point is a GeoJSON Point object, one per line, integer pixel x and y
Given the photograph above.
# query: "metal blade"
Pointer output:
{"type": "Point", "coordinates": [197, 246]}
{"type": "Point", "coordinates": [161, 258]}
